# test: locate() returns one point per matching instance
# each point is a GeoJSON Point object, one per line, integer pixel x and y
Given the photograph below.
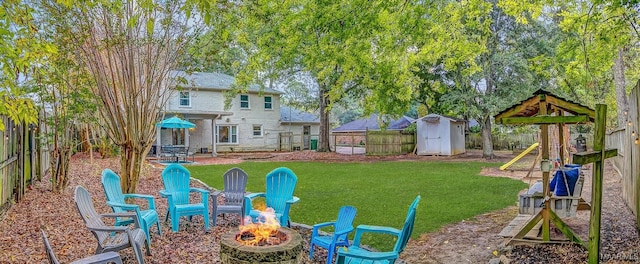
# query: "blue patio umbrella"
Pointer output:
{"type": "Point", "coordinates": [175, 122]}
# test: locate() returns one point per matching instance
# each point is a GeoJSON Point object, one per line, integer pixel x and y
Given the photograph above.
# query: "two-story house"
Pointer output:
{"type": "Point", "coordinates": [252, 123]}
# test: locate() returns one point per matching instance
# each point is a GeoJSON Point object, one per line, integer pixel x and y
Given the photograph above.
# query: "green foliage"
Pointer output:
{"type": "Point", "coordinates": [450, 192]}
{"type": "Point", "coordinates": [20, 48]}
{"type": "Point", "coordinates": [106, 148]}
{"type": "Point", "coordinates": [589, 37]}
{"type": "Point", "coordinates": [413, 128]}
{"type": "Point", "coordinates": [475, 129]}
{"type": "Point", "coordinates": [348, 116]}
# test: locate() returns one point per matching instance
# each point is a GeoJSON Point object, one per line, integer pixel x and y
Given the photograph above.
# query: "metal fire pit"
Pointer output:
{"type": "Point", "coordinates": [287, 252]}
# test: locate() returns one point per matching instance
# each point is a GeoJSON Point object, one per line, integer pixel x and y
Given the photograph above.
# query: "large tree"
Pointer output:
{"type": "Point", "coordinates": [345, 48]}
{"type": "Point", "coordinates": [129, 49]}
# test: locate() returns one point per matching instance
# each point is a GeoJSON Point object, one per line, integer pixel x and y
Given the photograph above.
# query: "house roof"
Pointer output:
{"type": "Point", "coordinates": [371, 123]}
{"type": "Point", "coordinates": [527, 111]}
{"type": "Point", "coordinates": [216, 80]}
{"type": "Point", "coordinates": [290, 115]}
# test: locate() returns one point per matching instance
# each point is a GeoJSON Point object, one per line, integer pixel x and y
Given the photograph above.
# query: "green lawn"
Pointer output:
{"type": "Point", "coordinates": [382, 191]}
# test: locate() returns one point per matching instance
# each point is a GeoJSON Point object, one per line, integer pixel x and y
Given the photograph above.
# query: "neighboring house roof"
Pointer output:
{"type": "Point", "coordinates": [473, 123]}
{"type": "Point", "coordinates": [215, 80]}
{"type": "Point", "coordinates": [371, 123]}
{"type": "Point", "coordinates": [290, 115]}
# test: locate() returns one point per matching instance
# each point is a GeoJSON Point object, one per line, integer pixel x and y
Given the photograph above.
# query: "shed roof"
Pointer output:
{"type": "Point", "coordinates": [290, 115]}
{"type": "Point", "coordinates": [371, 123]}
{"type": "Point", "coordinates": [215, 80]}
{"type": "Point", "coordinates": [528, 111]}
{"type": "Point", "coordinates": [434, 116]}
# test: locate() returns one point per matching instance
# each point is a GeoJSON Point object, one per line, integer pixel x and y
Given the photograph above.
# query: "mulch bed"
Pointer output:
{"type": "Point", "coordinates": [21, 242]}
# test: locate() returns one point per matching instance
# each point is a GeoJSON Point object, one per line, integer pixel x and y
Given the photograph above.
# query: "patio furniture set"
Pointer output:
{"type": "Point", "coordinates": [176, 154]}
{"type": "Point", "coordinates": [280, 185]}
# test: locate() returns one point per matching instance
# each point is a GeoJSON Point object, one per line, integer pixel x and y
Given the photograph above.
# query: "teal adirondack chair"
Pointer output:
{"type": "Point", "coordinates": [357, 255]}
{"type": "Point", "coordinates": [281, 183]}
{"type": "Point", "coordinates": [116, 199]}
{"type": "Point", "coordinates": [177, 189]}
{"type": "Point", "coordinates": [342, 227]}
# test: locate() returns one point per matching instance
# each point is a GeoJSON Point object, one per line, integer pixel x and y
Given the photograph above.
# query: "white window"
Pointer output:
{"type": "Point", "coordinates": [227, 134]}
{"type": "Point", "coordinates": [267, 102]}
{"type": "Point", "coordinates": [257, 130]}
{"type": "Point", "coordinates": [185, 100]}
{"type": "Point", "coordinates": [244, 101]}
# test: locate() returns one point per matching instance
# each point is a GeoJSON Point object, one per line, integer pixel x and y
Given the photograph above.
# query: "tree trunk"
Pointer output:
{"type": "Point", "coordinates": [84, 137]}
{"type": "Point", "coordinates": [131, 162]}
{"type": "Point", "coordinates": [487, 139]}
{"type": "Point", "coordinates": [621, 92]}
{"type": "Point", "coordinates": [324, 135]}
{"type": "Point", "coordinates": [60, 157]}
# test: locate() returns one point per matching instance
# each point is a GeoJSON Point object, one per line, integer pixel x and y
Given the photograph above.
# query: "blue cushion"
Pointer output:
{"type": "Point", "coordinates": [571, 173]}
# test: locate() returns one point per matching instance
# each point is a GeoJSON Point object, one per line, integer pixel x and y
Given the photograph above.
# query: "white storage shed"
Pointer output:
{"type": "Point", "coordinates": [439, 135]}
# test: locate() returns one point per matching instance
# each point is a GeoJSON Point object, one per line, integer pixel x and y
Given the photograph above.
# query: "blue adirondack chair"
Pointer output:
{"type": "Point", "coordinates": [342, 227]}
{"type": "Point", "coordinates": [281, 183]}
{"type": "Point", "coordinates": [235, 182]}
{"type": "Point", "coordinates": [357, 255]}
{"type": "Point", "coordinates": [116, 199]}
{"type": "Point", "coordinates": [176, 179]}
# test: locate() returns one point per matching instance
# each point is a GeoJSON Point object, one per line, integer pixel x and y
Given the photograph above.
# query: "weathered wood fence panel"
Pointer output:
{"type": "Point", "coordinates": [626, 140]}
{"type": "Point", "coordinates": [507, 141]}
{"type": "Point", "coordinates": [285, 141]}
{"type": "Point", "coordinates": [349, 142]}
{"type": "Point", "coordinates": [23, 158]}
{"type": "Point", "coordinates": [42, 159]}
{"type": "Point", "coordinates": [374, 142]}
{"type": "Point", "coordinates": [389, 142]}
{"type": "Point", "coordinates": [616, 139]}
{"type": "Point", "coordinates": [8, 162]}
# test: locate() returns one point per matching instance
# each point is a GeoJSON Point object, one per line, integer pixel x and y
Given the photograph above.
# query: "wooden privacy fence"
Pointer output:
{"type": "Point", "coordinates": [627, 141]}
{"type": "Point", "coordinates": [374, 142]}
{"type": "Point", "coordinates": [502, 141]}
{"type": "Point", "coordinates": [505, 141]}
{"type": "Point", "coordinates": [21, 160]}
{"type": "Point", "coordinates": [8, 163]}
{"type": "Point", "coordinates": [615, 139]}
{"type": "Point", "coordinates": [389, 142]}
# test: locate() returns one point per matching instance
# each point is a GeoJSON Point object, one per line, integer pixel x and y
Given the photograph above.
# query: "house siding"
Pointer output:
{"type": "Point", "coordinates": [206, 95]}
{"type": "Point", "coordinates": [243, 119]}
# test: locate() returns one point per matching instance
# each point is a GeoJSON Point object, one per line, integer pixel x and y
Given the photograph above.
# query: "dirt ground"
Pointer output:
{"type": "Point", "coordinates": [474, 240]}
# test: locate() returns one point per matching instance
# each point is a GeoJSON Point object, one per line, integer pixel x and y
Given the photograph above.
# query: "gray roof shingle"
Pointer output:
{"type": "Point", "coordinates": [371, 123]}
{"type": "Point", "coordinates": [290, 115]}
{"type": "Point", "coordinates": [215, 80]}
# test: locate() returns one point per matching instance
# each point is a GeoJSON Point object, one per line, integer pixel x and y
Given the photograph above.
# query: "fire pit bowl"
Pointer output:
{"type": "Point", "coordinates": [287, 252]}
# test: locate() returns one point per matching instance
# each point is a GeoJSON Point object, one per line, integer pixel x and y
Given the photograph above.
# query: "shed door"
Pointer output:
{"type": "Point", "coordinates": [432, 137]}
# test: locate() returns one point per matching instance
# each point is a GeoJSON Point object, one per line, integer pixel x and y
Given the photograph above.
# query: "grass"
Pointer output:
{"type": "Point", "coordinates": [383, 191]}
